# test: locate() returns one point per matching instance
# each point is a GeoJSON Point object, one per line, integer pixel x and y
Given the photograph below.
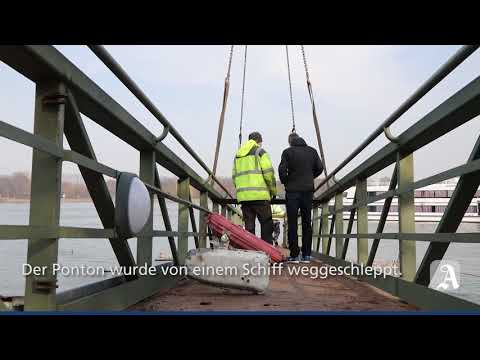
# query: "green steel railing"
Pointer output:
{"type": "Point", "coordinates": [412, 285]}
{"type": "Point", "coordinates": [62, 94]}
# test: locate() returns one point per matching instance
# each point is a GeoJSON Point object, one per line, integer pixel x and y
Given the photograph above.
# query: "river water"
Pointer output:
{"type": "Point", "coordinates": [98, 252]}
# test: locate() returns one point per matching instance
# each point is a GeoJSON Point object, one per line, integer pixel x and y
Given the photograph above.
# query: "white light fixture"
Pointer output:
{"type": "Point", "coordinates": [132, 205]}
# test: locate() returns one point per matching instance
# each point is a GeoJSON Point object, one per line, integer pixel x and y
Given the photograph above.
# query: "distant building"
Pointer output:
{"type": "Point", "coordinates": [430, 202]}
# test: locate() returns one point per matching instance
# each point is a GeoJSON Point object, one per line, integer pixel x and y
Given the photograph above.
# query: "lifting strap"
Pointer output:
{"type": "Point", "coordinates": [222, 114]}
{"type": "Point", "coordinates": [243, 95]}
{"type": "Point", "coordinates": [290, 87]}
{"type": "Point", "coordinates": [315, 119]}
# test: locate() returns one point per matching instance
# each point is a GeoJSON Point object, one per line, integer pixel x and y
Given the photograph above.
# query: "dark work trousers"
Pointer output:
{"type": "Point", "coordinates": [261, 209]}
{"type": "Point", "coordinates": [299, 201]}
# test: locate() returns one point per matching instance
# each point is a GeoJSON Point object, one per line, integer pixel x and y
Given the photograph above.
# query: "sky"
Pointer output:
{"type": "Point", "coordinates": [355, 88]}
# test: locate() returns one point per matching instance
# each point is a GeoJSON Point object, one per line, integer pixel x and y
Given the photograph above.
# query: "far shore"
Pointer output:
{"type": "Point", "coordinates": [12, 201]}
{"type": "Point", "coordinates": [67, 200]}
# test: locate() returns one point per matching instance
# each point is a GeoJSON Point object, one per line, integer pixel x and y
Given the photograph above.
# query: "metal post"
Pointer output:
{"type": "Point", "coordinates": [406, 212]}
{"type": "Point", "coordinates": [224, 210]}
{"type": "Point", "coordinates": [346, 242]}
{"type": "Point", "coordinates": [183, 192]}
{"type": "Point", "coordinates": [315, 228]}
{"type": "Point", "coordinates": [203, 223]}
{"type": "Point", "coordinates": [147, 175]}
{"type": "Point", "coordinates": [324, 227]}
{"type": "Point", "coordinates": [299, 231]}
{"type": "Point", "coordinates": [166, 218]}
{"type": "Point", "coordinates": [332, 226]}
{"type": "Point", "coordinates": [40, 291]}
{"type": "Point", "coordinates": [285, 232]}
{"type": "Point", "coordinates": [338, 224]}
{"type": "Point", "coordinates": [193, 222]}
{"type": "Point", "coordinates": [319, 240]}
{"type": "Point", "coordinates": [362, 221]}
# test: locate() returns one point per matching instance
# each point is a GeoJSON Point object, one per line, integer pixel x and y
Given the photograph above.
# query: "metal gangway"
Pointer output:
{"type": "Point", "coordinates": [63, 93]}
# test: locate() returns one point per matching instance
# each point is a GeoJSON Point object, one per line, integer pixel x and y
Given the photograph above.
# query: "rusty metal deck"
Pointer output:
{"type": "Point", "coordinates": [285, 293]}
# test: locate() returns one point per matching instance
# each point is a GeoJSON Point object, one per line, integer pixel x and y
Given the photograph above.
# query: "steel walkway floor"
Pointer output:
{"type": "Point", "coordinates": [285, 293]}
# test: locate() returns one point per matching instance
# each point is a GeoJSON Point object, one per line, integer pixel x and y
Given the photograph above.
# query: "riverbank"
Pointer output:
{"type": "Point", "coordinates": [22, 201]}
{"type": "Point", "coordinates": [66, 200]}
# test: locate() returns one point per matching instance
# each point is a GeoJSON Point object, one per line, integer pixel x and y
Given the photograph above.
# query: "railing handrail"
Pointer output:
{"type": "Point", "coordinates": [455, 60]}
{"type": "Point", "coordinates": [122, 75]}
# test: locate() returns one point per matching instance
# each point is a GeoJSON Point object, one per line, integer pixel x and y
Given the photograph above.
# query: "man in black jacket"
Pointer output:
{"type": "Point", "coordinates": [299, 167]}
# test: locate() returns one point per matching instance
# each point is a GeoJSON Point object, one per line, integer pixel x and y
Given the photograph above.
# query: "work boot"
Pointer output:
{"type": "Point", "coordinates": [293, 259]}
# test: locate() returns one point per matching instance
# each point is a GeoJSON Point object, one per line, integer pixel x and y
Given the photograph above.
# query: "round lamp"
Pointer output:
{"type": "Point", "coordinates": [132, 205]}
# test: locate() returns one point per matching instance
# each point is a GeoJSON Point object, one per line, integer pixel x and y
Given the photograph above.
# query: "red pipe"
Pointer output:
{"type": "Point", "coordinates": [240, 238]}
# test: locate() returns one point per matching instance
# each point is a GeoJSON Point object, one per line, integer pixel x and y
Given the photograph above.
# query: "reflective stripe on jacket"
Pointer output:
{"type": "Point", "coordinates": [253, 174]}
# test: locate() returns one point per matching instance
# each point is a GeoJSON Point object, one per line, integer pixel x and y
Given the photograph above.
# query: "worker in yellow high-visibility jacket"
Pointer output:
{"type": "Point", "coordinates": [254, 179]}
{"type": "Point", "coordinates": [277, 214]}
